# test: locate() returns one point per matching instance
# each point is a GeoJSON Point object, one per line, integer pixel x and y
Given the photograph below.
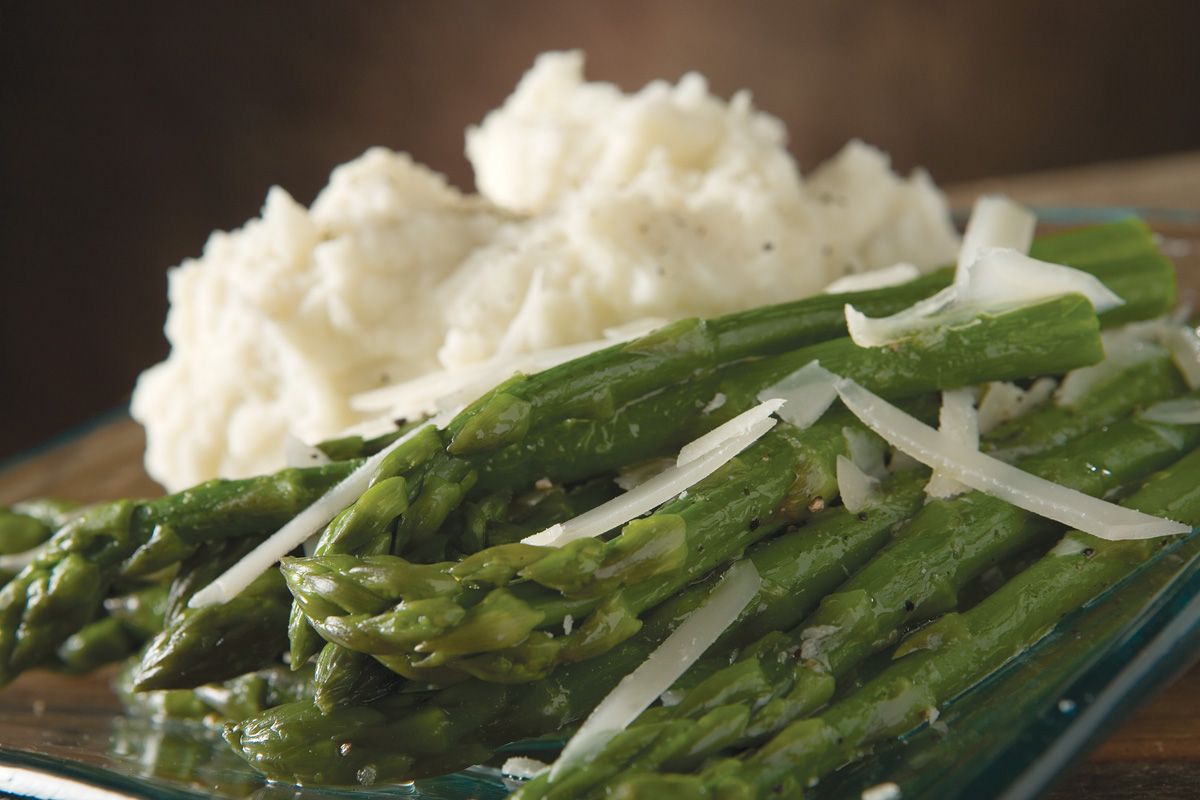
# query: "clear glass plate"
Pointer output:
{"type": "Point", "coordinates": [1010, 737]}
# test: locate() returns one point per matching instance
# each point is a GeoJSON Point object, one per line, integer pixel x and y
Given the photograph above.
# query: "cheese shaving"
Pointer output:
{"type": "Point", "coordinates": [998, 279]}
{"type": "Point", "coordinates": [993, 272]}
{"type": "Point", "coordinates": [1003, 401]}
{"type": "Point", "coordinates": [442, 389]}
{"type": "Point", "coordinates": [882, 791]}
{"type": "Point", "coordinates": [523, 768]}
{"type": "Point", "coordinates": [654, 491]}
{"type": "Point", "coordinates": [958, 420]}
{"type": "Point", "coordinates": [856, 487]}
{"type": "Point", "coordinates": [1184, 411]}
{"type": "Point", "coordinates": [640, 688]}
{"type": "Point", "coordinates": [996, 221]}
{"type": "Point", "coordinates": [300, 527]}
{"type": "Point", "coordinates": [866, 450]}
{"type": "Point", "coordinates": [301, 454]}
{"type": "Point", "coordinates": [1184, 343]}
{"type": "Point", "coordinates": [809, 391]}
{"type": "Point", "coordinates": [987, 474]}
{"type": "Point", "coordinates": [726, 431]}
{"type": "Point", "coordinates": [1123, 348]}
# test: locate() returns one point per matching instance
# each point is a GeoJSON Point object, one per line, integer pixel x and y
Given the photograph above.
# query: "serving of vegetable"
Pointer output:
{"type": "Point", "coordinates": [723, 559]}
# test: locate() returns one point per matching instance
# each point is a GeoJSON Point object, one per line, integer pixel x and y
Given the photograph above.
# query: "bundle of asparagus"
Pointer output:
{"type": "Point", "coordinates": [433, 624]}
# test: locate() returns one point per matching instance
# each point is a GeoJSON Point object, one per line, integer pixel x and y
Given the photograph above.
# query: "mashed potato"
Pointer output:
{"type": "Point", "coordinates": [594, 208]}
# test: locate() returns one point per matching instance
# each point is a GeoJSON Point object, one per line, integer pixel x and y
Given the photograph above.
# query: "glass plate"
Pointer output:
{"type": "Point", "coordinates": [68, 738]}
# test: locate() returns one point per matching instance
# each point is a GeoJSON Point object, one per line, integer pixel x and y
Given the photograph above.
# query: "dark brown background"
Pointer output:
{"type": "Point", "coordinates": [130, 130]}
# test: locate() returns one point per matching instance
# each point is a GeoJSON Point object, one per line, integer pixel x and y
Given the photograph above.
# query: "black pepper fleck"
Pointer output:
{"type": "Point", "coordinates": [754, 523]}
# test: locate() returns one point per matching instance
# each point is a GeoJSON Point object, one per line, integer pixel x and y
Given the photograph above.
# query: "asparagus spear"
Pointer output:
{"type": "Point", "coordinates": [193, 647]}
{"type": "Point", "coordinates": [20, 532]}
{"type": "Point", "coordinates": [129, 620]}
{"type": "Point", "coordinates": [238, 698]}
{"type": "Point", "coordinates": [219, 642]}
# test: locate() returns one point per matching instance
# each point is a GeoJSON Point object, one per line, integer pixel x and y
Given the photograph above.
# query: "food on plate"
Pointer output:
{"type": "Point", "coordinates": [718, 558]}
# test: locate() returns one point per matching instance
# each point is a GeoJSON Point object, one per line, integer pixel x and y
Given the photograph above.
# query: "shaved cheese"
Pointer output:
{"type": "Point", "coordinates": [809, 391]}
{"type": "Point", "coordinates": [1184, 343]}
{"type": "Point", "coordinates": [1001, 277]}
{"type": "Point", "coordinates": [300, 527]}
{"type": "Point", "coordinates": [998, 279]}
{"type": "Point", "coordinates": [446, 388]}
{"type": "Point", "coordinates": [436, 390]}
{"type": "Point", "coordinates": [894, 275]}
{"type": "Point", "coordinates": [880, 331]}
{"type": "Point", "coordinates": [301, 454]}
{"type": "Point", "coordinates": [889, 790]}
{"type": "Point", "coordinates": [856, 487]}
{"type": "Point", "coordinates": [650, 494]}
{"type": "Point", "coordinates": [866, 450]}
{"type": "Point", "coordinates": [523, 768]}
{"type": "Point", "coordinates": [996, 221]}
{"type": "Point", "coordinates": [979, 471]}
{"type": "Point", "coordinates": [958, 420]}
{"type": "Point", "coordinates": [1184, 411]}
{"type": "Point", "coordinates": [1068, 546]}
{"type": "Point", "coordinates": [1005, 401]}
{"type": "Point", "coordinates": [717, 401]}
{"type": "Point", "coordinates": [1123, 348]}
{"type": "Point", "coordinates": [640, 688]}
{"type": "Point", "coordinates": [724, 432]}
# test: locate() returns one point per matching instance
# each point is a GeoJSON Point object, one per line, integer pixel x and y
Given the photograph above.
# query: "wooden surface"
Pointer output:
{"type": "Point", "coordinates": [1155, 754]}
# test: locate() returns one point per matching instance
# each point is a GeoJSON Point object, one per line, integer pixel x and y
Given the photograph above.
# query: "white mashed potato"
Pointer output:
{"type": "Point", "coordinates": [594, 208]}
